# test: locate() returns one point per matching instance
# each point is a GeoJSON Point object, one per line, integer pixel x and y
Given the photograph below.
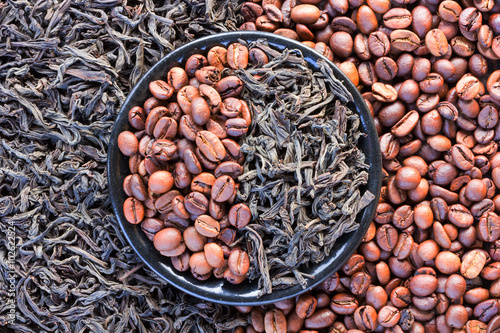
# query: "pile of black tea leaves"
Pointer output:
{"type": "Point", "coordinates": [303, 168]}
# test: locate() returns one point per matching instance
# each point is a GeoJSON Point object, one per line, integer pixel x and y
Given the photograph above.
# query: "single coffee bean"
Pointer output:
{"type": "Point", "coordinates": [366, 20]}
{"type": "Point", "coordinates": [404, 40]}
{"type": "Point", "coordinates": [196, 203]}
{"type": "Point", "coordinates": [181, 262]}
{"type": "Point", "coordinates": [436, 42]}
{"type": "Point", "coordinates": [236, 127]}
{"type": "Point", "coordinates": [214, 255]}
{"type": "Point", "coordinates": [168, 239]}
{"type": "Point", "coordinates": [343, 303]}
{"type": "Point", "coordinates": [164, 150]}
{"type": "Point", "coordinates": [305, 14]}
{"type": "Point", "coordinates": [160, 181]}
{"type": "Point", "coordinates": [210, 145]}
{"type": "Point", "coordinates": [177, 78]}
{"type": "Point", "coordinates": [239, 262]}
{"type": "Point", "coordinates": [365, 318]}
{"type": "Point", "coordinates": [321, 318]}
{"type": "Point", "coordinates": [237, 53]}
{"type": "Point", "coordinates": [239, 215]}
{"type": "Point", "coordinates": [128, 143]}
{"type": "Point", "coordinates": [193, 239]}
{"type": "Point", "coordinates": [133, 210]}
{"type": "Point", "coordinates": [306, 305]}
{"type": "Point", "coordinates": [468, 87]}
{"type": "Point", "coordinates": [195, 62]}
{"type": "Point", "coordinates": [161, 90]}
{"type": "Point", "coordinates": [200, 111]}
{"type": "Point", "coordinates": [223, 188]}
{"type": "Point", "coordinates": [230, 86]}
{"type": "Point", "coordinates": [207, 226]}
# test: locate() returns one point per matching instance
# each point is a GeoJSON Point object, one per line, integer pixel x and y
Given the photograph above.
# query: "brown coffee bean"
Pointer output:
{"type": "Point", "coordinates": [210, 145]}
{"type": "Point", "coordinates": [164, 202]}
{"type": "Point", "coordinates": [151, 226]}
{"type": "Point", "coordinates": [468, 87]}
{"type": "Point", "coordinates": [177, 78]}
{"type": "Point", "coordinates": [164, 150]}
{"type": "Point", "coordinates": [343, 303]}
{"type": "Point", "coordinates": [397, 18]}
{"type": "Point", "coordinates": [168, 239]}
{"type": "Point", "coordinates": [322, 318]}
{"type": "Point", "coordinates": [133, 210]}
{"type": "Point", "coordinates": [423, 284]}
{"type": "Point", "coordinates": [306, 305]}
{"type": "Point", "coordinates": [436, 42]}
{"type": "Point", "coordinates": [195, 62]}
{"type": "Point", "coordinates": [388, 316]}
{"type": "Point", "coordinates": [237, 54]}
{"type": "Point", "coordinates": [178, 207]}
{"type": "Point", "coordinates": [199, 265]}
{"type": "Point", "coordinates": [359, 283]}
{"type": "Point", "coordinates": [341, 44]}
{"type": "Point", "coordinates": [470, 19]}
{"type": "Point", "coordinates": [447, 262]}
{"type": "Point", "coordinates": [196, 203]}
{"type": "Point", "coordinates": [165, 128]}
{"type": "Point", "coordinates": [456, 316]}
{"type": "Point", "coordinates": [233, 151]}
{"type": "Point", "coordinates": [214, 255]}
{"type": "Point", "coordinates": [128, 143]}
{"type": "Point", "coordinates": [472, 264]}
{"type": "Point", "coordinates": [366, 20]}
{"type": "Point", "coordinates": [404, 40]}
{"type": "Point", "coordinates": [200, 111]}
{"type": "Point", "coordinates": [236, 127]}
{"type": "Point", "coordinates": [239, 262]}
{"type": "Point", "coordinates": [379, 44]}
{"type": "Point", "coordinates": [192, 162]}
{"type": "Point", "coordinates": [462, 157]}
{"type": "Point", "coordinates": [229, 86]}
{"type": "Point", "coordinates": [193, 239]}
{"type": "Point", "coordinates": [239, 215]}
{"type": "Point", "coordinates": [406, 124]}
{"type": "Point", "coordinates": [384, 92]}
{"type": "Point", "coordinates": [161, 90]}
{"type": "Point", "coordinates": [305, 14]}
{"type": "Point", "coordinates": [223, 188]}
{"type": "Point", "coordinates": [217, 55]}
{"type": "Point", "coordinates": [275, 321]}
{"type": "Point", "coordinates": [160, 182]}
{"type": "Point", "coordinates": [208, 75]}
{"type": "Point", "coordinates": [365, 318]}
{"type": "Point", "coordinates": [181, 262]}
{"type": "Point", "coordinates": [207, 226]}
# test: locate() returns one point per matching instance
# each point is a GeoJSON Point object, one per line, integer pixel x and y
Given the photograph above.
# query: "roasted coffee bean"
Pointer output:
{"type": "Point", "coordinates": [229, 86]}
{"type": "Point", "coordinates": [236, 127]}
{"type": "Point", "coordinates": [196, 203]}
{"type": "Point", "coordinates": [161, 90]}
{"type": "Point", "coordinates": [365, 318]}
{"type": "Point", "coordinates": [404, 40]}
{"type": "Point", "coordinates": [133, 210]}
{"type": "Point", "coordinates": [210, 145]}
{"type": "Point", "coordinates": [237, 54]}
{"type": "Point", "coordinates": [239, 215]}
{"type": "Point", "coordinates": [321, 318]}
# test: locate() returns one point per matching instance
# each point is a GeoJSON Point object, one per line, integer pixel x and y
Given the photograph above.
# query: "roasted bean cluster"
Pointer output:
{"type": "Point", "coordinates": [185, 160]}
{"type": "Point", "coordinates": [428, 71]}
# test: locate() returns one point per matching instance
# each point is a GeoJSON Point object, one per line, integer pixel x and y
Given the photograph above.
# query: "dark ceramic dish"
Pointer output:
{"type": "Point", "coordinates": [218, 290]}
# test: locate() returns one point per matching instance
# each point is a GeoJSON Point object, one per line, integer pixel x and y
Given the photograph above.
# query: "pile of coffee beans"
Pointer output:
{"type": "Point", "coordinates": [184, 162]}
{"type": "Point", "coordinates": [428, 71]}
